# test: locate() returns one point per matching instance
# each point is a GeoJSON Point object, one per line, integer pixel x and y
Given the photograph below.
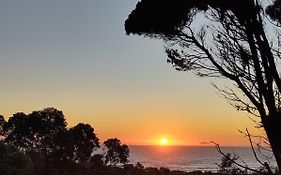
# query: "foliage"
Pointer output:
{"type": "Point", "coordinates": [274, 11]}
{"type": "Point", "coordinates": [36, 131]}
{"type": "Point", "coordinates": [97, 161]}
{"type": "Point", "coordinates": [42, 144]}
{"type": "Point", "coordinates": [14, 162]}
{"type": "Point", "coordinates": [39, 163]}
{"type": "Point", "coordinates": [228, 166]}
{"type": "Point", "coordinates": [84, 141]}
{"type": "Point", "coordinates": [17, 131]}
{"type": "Point", "coordinates": [150, 18]}
{"type": "Point", "coordinates": [116, 152]}
{"type": "Point", "coordinates": [2, 123]}
{"type": "Point", "coordinates": [76, 144]}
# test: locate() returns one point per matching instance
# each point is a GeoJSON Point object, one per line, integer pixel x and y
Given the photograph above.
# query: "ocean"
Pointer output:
{"type": "Point", "coordinates": [192, 158]}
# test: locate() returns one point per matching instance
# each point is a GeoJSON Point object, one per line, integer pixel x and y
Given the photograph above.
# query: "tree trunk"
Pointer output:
{"type": "Point", "coordinates": [272, 126]}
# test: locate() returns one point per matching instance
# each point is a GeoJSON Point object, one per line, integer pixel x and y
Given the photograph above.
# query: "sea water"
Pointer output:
{"type": "Point", "coordinates": [192, 158]}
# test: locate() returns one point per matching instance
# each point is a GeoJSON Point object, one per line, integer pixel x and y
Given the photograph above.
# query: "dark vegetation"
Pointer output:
{"type": "Point", "coordinates": [41, 144]}
{"type": "Point", "coordinates": [235, 40]}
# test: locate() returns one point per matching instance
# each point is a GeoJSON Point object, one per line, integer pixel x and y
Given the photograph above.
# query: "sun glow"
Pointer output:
{"type": "Point", "coordinates": [163, 141]}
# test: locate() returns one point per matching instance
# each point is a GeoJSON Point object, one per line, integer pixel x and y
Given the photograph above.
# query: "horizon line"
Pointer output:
{"type": "Point", "coordinates": [187, 145]}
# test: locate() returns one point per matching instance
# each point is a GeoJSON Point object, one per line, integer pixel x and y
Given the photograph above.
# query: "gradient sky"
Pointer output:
{"type": "Point", "coordinates": [75, 56]}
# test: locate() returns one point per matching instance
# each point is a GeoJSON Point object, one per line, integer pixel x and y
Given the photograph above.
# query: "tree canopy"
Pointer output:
{"type": "Point", "coordinates": [12, 161]}
{"type": "Point", "coordinates": [158, 18]}
{"type": "Point", "coordinates": [35, 131]}
{"type": "Point", "coordinates": [2, 123]}
{"type": "Point", "coordinates": [81, 143]}
{"type": "Point", "coordinates": [41, 143]}
{"type": "Point", "coordinates": [116, 153]}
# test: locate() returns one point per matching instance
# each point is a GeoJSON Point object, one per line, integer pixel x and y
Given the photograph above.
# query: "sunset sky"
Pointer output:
{"type": "Point", "coordinates": [75, 56]}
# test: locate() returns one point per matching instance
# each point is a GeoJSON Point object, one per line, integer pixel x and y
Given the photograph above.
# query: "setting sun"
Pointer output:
{"type": "Point", "coordinates": [163, 141]}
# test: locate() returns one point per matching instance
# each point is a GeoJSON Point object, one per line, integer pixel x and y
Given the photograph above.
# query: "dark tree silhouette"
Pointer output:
{"type": "Point", "coordinates": [274, 11]}
{"type": "Point", "coordinates": [116, 152]}
{"type": "Point", "coordinates": [235, 40]}
{"type": "Point", "coordinates": [76, 145]}
{"type": "Point", "coordinates": [97, 161]}
{"type": "Point", "coordinates": [2, 123]}
{"type": "Point", "coordinates": [36, 131]}
{"type": "Point", "coordinates": [74, 150]}
{"type": "Point", "coordinates": [18, 132]}
{"type": "Point", "coordinates": [45, 125]}
{"type": "Point", "coordinates": [83, 142]}
{"type": "Point", "coordinates": [12, 161]}
{"type": "Point", "coordinates": [227, 165]}
{"type": "Point", "coordinates": [41, 143]}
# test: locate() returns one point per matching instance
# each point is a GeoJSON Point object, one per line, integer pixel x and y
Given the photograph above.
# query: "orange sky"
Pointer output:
{"type": "Point", "coordinates": [183, 119]}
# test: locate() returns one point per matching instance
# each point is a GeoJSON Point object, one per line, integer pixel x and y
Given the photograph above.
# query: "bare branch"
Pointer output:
{"type": "Point", "coordinates": [236, 163]}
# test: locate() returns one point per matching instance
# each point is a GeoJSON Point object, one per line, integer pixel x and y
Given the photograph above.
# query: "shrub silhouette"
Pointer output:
{"type": "Point", "coordinates": [116, 152]}
{"type": "Point", "coordinates": [43, 145]}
